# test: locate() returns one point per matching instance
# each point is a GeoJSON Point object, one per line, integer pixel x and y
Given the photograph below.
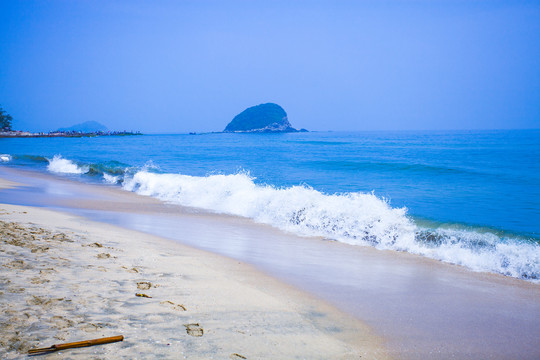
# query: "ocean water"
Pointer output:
{"type": "Point", "coordinates": [468, 198]}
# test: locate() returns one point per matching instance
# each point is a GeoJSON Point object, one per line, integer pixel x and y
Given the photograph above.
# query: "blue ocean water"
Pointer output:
{"type": "Point", "coordinates": [467, 197]}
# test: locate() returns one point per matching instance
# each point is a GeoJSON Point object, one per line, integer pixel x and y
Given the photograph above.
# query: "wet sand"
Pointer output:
{"type": "Point", "coordinates": [421, 308]}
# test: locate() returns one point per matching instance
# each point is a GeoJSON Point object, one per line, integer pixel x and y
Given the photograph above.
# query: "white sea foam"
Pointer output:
{"type": "Point", "coordinates": [64, 166]}
{"type": "Point", "coordinates": [5, 157]}
{"type": "Point", "coordinates": [110, 179]}
{"type": "Point", "coordinates": [354, 218]}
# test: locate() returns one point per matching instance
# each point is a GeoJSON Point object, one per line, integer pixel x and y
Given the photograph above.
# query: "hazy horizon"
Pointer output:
{"type": "Point", "coordinates": [177, 67]}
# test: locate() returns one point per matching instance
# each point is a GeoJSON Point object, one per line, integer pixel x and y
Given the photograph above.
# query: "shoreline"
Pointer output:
{"type": "Point", "coordinates": [420, 307]}
{"type": "Point", "coordinates": [25, 134]}
{"type": "Point", "coordinates": [78, 280]}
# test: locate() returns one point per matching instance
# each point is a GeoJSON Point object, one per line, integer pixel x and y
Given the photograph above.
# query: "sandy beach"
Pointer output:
{"type": "Point", "coordinates": [64, 278]}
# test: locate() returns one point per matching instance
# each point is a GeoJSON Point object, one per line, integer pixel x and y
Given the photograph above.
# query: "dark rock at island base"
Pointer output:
{"type": "Point", "coordinates": [263, 118]}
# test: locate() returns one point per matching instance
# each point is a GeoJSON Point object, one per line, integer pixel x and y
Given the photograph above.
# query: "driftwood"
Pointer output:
{"type": "Point", "coordinates": [77, 344]}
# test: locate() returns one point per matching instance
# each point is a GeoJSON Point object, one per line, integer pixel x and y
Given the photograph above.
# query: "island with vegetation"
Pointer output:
{"type": "Point", "coordinates": [263, 118]}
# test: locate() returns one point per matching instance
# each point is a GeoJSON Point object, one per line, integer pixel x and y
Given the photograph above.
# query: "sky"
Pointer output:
{"type": "Point", "coordinates": [183, 66]}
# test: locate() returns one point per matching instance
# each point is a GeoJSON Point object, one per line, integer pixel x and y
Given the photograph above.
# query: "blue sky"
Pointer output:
{"type": "Point", "coordinates": [180, 66]}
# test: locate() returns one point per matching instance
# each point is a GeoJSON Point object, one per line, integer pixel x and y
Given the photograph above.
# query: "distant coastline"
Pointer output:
{"type": "Point", "coordinates": [54, 134]}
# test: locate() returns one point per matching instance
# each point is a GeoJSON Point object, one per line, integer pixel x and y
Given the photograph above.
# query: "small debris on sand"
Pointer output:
{"type": "Point", "coordinates": [236, 356]}
{"type": "Point", "coordinates": [143, 295]}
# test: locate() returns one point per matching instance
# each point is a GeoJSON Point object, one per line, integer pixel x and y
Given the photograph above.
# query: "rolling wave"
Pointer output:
{"type": "Point", "coordinates": [31, 158]}
{"type": "Point", "coordinates": [353, 218]}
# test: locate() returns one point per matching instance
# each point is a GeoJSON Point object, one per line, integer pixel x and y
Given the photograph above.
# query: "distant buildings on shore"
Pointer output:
{"type": "Point", "coordinates": [12, 133]}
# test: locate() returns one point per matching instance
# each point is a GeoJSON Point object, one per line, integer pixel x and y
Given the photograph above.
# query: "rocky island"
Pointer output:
{"type": "Point", "coordinates": [263, 118]}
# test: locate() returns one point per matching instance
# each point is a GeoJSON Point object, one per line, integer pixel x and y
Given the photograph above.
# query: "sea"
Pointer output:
{"type": "Point", "coordinates": [470, 198]}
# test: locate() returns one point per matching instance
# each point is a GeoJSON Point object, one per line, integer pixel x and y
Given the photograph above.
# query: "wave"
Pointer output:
{"type": "Point", "coordinates": [110, 179]}
{"type": "Point", "coordinates": [64, 166]}
{"type": "Point", "coordinates": [31, 158]}
{"type": "Point", "coordinates": [112, 168]}
{"type": "Point", "coordinates": [111, 171]}
{"type": "Point", "coordinates": [5, 158]}
{"type": "Point", "coordinates": [481, 251]}
{"type": "Point", "coordinates": [353, 218]}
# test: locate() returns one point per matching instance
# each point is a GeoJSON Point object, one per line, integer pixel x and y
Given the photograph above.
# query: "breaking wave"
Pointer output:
{"type": "Point", "coordinates": [64, 166]}
{"type": "Point", "coordinates": [112, 172]}
{"type": "Point", "coordinates": [353, 218]}
{"type": "Point", "coordinates": [5, 157]}
{"type": "Point", "coordinates": [110, 179]}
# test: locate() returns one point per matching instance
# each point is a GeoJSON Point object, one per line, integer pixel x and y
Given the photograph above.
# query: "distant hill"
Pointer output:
{"type": "Point", "coordinates": [263, 118]}
{"type": "Point", "coordinates": [86, 127]}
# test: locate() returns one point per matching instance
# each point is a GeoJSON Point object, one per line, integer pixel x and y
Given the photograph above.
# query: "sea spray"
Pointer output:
{"type": "Point", "coordinates": [64, 166]}
{"type": "Point", "coordinates": [353, 218]}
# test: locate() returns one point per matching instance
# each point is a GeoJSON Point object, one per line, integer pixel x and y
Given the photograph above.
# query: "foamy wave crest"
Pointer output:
{"type": "Point", "coordinates": [64, 166]}
{"type": "Point", "coordinates": [481, 251]}
{"type": "Point", "coordinates": [353, 218]}
{"type": "Point", "coordinates": [110, 179]}
{"type": "Point", "coordinates": [5, 158]}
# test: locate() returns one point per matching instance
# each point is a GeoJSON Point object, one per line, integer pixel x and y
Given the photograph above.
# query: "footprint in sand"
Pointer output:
{"type": "Point", "coordinates": [90, 327]}
{"type": "Point", "coordinates": [194, 330]}
{"type": "Point", "coordinates": [40, 249]}
{"type": "Point", "coordinates": [179, 307]}
{"type": "Point", "coordinates": [61, 237]}
{"type": "Point", "coordinates": [132, 270]}
{"type": "Point", "coordinates": [144, 285]}
{"type": "Point", "coordinates": [16, 290]}
{"type": "Point", "coordinates": [17, 264]}
{"type": "Point", "coordinates": [61, 322]}
{"type": "Point", "coordinates": [38, 280]}
{"type": "Point", "coordinates": [45, 302]}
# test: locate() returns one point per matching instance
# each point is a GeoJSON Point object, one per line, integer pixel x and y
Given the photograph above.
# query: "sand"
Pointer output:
{"type": "Point", "coordinates": [64, 278]}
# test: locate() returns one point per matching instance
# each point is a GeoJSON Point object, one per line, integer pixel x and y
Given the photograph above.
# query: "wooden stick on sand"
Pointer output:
{"type": "Point", "coordinates": [77, 344]}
